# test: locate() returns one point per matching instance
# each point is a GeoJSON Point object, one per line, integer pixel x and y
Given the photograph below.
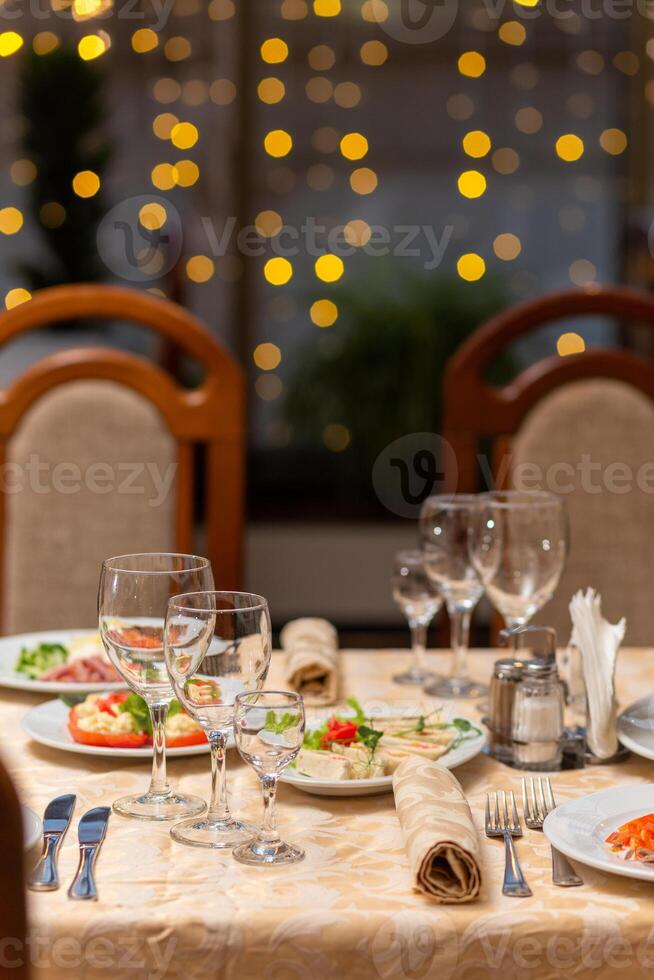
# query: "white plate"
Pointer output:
{"type": "Point", "coordinates": [636, 727]}
{"type": "Point", "coordinates": [467, 750]}
{"type": "Point", "coordinates": [32, 828]}
{"type": "Point", "coordinates": [10, 647]}
{"type": "Point", "coordinates": [48, 724]}
{"type": "Point", "coordinates": [579, 828]}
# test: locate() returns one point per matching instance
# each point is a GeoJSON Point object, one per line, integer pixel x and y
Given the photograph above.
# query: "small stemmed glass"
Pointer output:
{"type": "Point", "coordinates": [217, 645]}
{"type": "Point", "coordinates": [419, 600]}
{"type": "Point", "coordinates": [269, 731]}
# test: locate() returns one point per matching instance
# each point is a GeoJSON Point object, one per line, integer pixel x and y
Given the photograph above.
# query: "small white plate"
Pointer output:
{"type": "Point", "coordinates": [48, 724]}
{"type": "Point", "coordinates": [579, 828]}
{"type": "Point", "coordinates": [635, 727]}
{"type": "Point", "coordinates": [32, 828]}
{"type": "Point", "coordinates": [10, 647]}
{"type": "Point", "coordinates": [468, 749]}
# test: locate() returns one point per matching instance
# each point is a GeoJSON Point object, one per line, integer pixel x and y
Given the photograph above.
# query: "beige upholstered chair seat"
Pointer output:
{"type": "Point", "coordinates": [592, 426]}
{"type": "Point", "coordinates": [91, 474]}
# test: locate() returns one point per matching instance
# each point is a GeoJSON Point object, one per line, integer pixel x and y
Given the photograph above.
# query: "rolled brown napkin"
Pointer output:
{"type": "Point", "coordinates": [439, 836]}
{"type": "Point", "coordinates": [311, 667]}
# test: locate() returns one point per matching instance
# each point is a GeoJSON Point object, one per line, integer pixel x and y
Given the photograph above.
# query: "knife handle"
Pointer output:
{"type": "Point", "coordinates": [44, 877]}
{"type": "Point", "coordinates": [83, 886]}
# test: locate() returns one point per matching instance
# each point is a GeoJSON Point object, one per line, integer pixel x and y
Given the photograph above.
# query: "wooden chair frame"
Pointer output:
{"type": "Point", "coordinates": [473, 408]}
{"type": "Point", "coordinates": [212, 414]}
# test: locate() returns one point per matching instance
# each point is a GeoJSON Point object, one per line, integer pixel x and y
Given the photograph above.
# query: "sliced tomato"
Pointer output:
{"type": "Point", "coordinates": [107, 704]}
{"type": "Point", "coordinates": [181, 741]}
{"type": "Point", "coordinates": [129, 740]}
{"type": "Point", "coordinates": [340, 732]}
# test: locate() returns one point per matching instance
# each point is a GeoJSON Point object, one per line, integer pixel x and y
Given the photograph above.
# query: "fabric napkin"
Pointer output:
{"type": "Point", "coordinates": [598, 642]}
{"type": "Point", "coordinates": [311, 667]}
{"type": "Point", "coordinates": [439, 836]}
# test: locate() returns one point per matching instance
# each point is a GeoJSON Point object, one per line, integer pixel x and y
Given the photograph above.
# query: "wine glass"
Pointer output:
{"type": "Point", "coordinates": [132, 599]}
{"type": "Point", "coordinates": [519, 544]}
{"type": "Point", "coordinates": [269, 731]}
{"type": "Point", "coordinates": [444, 526]}
{"type": "Point", "coordinates": [218, 644]}
{"type": "Point", "coordinates": [419, 600]}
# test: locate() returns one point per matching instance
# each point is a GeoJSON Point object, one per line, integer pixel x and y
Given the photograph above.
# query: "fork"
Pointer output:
{"type": "Point", "coordinates": [538, 801]}
{"type": "Point", "coordinates": [500, 824]}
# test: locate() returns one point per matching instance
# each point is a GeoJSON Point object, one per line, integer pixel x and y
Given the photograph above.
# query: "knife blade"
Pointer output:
{"type": "Point", "coordinates": [56, 820]}
{"type": "Point", "coordinates": [91, 833]}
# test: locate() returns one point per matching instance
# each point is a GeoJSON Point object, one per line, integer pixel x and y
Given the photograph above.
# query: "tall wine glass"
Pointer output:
{"type": "Point", "coordinates": [444, 527]}
{"type": "Point", "coordinates": [519, 544]}
{"type": "Point", "coordinates": [419, 600]}
{"type": "Point", "coordinates": [132, 601]}
{"type": "Point", "coordinates": [218, 644]}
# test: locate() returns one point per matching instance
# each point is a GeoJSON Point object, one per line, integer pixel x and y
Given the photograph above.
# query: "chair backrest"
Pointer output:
{"type": "Point", "coordinates": [581, 426]}
{"type": "Point", "coordinates": [98, 452]}
{"type": "Point", "coordinates": [13, 914]}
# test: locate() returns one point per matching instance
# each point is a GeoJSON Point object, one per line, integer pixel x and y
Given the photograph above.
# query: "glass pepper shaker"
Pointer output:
{"type": "Point", "coordinates": [537, 728]}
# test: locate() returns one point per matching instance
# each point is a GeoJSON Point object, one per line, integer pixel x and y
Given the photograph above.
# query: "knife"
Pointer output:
{"type": "Point", "coordinates": [44, 877]}
{"type": "Point", "coordinates": [91, 833]}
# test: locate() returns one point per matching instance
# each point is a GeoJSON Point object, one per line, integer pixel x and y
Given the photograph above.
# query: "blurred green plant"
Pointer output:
{"type": "Point", "coordinates": [61, 101]}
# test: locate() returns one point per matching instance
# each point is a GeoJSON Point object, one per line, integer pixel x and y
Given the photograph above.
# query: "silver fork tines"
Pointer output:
{"type": "Point", "coordinates": [538, 801]}
{"type": "Point", "coordinates": [502, 820]}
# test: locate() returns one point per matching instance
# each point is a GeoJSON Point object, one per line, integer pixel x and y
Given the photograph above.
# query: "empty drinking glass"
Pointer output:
{"type": "Point", "coordinates": [444, 527]}
{"type": "Point", "coordinates": [419, 600]}
{"type": "Point", "coordinates": [519, 543]}
{"type": "Point", "coordinates": [269, 731]}
{"type": "Point", "coordinates": [218, 644]}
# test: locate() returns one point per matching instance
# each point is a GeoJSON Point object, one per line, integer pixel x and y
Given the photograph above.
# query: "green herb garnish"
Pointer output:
{"type": "Point", "coordinates": [369, 737]}
{"type": "Point", "coordinates": [359, 714]}
{"type": "Point", "coordinates": [279, 725]}
{"type": "Point", "coordinates": [35, 661]}
{"type": "Point", "coordinates": [138, 709]}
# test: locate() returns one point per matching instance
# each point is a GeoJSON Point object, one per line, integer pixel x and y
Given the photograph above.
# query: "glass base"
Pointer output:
{"type": "Point", "coordinates": [212, 833]}
{"type": "Point", "coordinates": [415, 676]}
{"type": "Point", "coordinates": [151, 807]}
{"type": "Point", "coordinates": [261, 852]}
{"type": "Point", "coordinates": [456, 687]}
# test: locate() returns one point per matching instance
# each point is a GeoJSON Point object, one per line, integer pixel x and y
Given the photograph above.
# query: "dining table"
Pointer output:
{"type": "Point", "coordinates": [349, 910]}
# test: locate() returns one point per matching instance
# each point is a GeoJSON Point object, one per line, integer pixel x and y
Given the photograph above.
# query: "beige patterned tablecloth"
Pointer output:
{"type": "Point", "coordinates": [348, 911]}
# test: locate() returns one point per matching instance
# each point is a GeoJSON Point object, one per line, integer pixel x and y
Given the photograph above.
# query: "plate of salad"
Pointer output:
{"type": "Point", "coordinates": [57, 662]}
{"type": "Point", "coordinates": [113, 723]}
{"type": "Point", "coordinates": [354, 753]}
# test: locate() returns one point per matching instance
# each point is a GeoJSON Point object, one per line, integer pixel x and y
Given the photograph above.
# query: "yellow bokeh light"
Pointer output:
{"type": "Point", "coordinates": [268, 387]}
{"type": "Point", "coordinates": [373, 53]}
{"type": "Point", "coordinates": [363, 180]}
{"type": "Point", "coordinates": [163, 176]}
{"type": "Point", "coordinates": [177, 48]}
{"type": "Point", "coordinates": [184, 135]}
{"type": "Point", "coordinates": [472, 64]}
{"type": "Point", "coordinates": [374, 11]}
{"type": "Point", "coordinates": [324, 313]}
{"type": "Point", "coordinates": [476, 143]}
{"type": "Point", "coordinates": [613, 141]}
{"type": "Point", "coordinates": [527, 3]}
{"type": "Point", "coordinates": [162, 125]}
{"type": "Point", "coordinates": [91, 46]}
{"type": "Point", "coordinates": [319, 89]}
{"type": "Point", "coordinates": [354, 146]}
{"type": "Point", "coordinates": [22, 172]}
{"type": "Point", "coordinates": [10, 43]}
{"type": "Point", "coordinates": [294, 9]}
{"type": "Point", "coordinates": [268, 223]}
{"type": "Point", "coordinates": [187, 173]}
{"type": "Point", "coordinates": [200, 268]}
{"type": "Point", "coordinates": [471, 183]}
{"type": "Point", "coordinates": [329, 268]}
{"type": "Point", "coordinates": [152, 215]}
{"type": "Point", "coordinates": [582, 272]}
{"type": "Point", "coordinates": [347, 95]}
{"type": "Point", "coordinates": [222, 91]}
{"type": "Point", "coordinates": [166, 90]}
{"type": "Point", "coordinates": [505, 160]}
{"type": "Point", "coordinates": [86, 183]}
{"type": "Point", "coordinates": [321, 58]}
{"type": "Point", "coordinates": [336, 437]}
{"type": "Point", "coordinates": [570, 343]}
{"type": "Point", "coordinates": [274, 51]}
{"type": "Point", "coordinates": [357, 232]}
{"type": "Point", "coordinates": [569, 147]}
{"type": "Point", "coordinates": [44, 42]}
{"type": "Point", "coordinates": [278, 271]}
{"type": "Point", "coordinates": [326, 8]}
{"type": "Point", "coordinates": [267, 356]}
{"type": "Point", "coordinates": [145, 39]}
{"type": "Point", "coordinates": [512, 32]}
{"type": "Point", "coordinates": [271, 90]}
{"type": "Point", "coordinates": [17, 296]}
{"type": "Point", "coordinates": [221, 9]}
{"type": "Point", "coordinates": [195, 92]}
{"type": "Point", "coordinates": [528, 120]}
{"type": "Point", "coordinates": [471, 267]}
{"type": "Point", "coordinates": [11, 220]}
{"type": "Point", "coordinates": [278, 143]}
{"type": "Point", "coordinates": [507, 246]}
{"type": "Point", "coordinates": [85, 9]}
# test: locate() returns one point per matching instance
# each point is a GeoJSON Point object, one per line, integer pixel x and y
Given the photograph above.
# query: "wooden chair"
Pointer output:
{"type": "Point", "coordinates": [598, 404]}
{"type": "Point", "coordinates": [140, 413]}
{"type": "Point", "coordinates": [13, 915]}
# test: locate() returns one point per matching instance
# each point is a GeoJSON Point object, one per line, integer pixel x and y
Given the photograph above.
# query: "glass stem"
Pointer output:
{"type": "Point", "coordinates": [418, 644]}
{"type": "Point", "coordinates": [218, 808]}
{"type": "Point", "coordinates": [159, 783]}
{"type": "Point", "coordinates": [268, 830]}
{"type": "Point", "coordinates": [459, 640]}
